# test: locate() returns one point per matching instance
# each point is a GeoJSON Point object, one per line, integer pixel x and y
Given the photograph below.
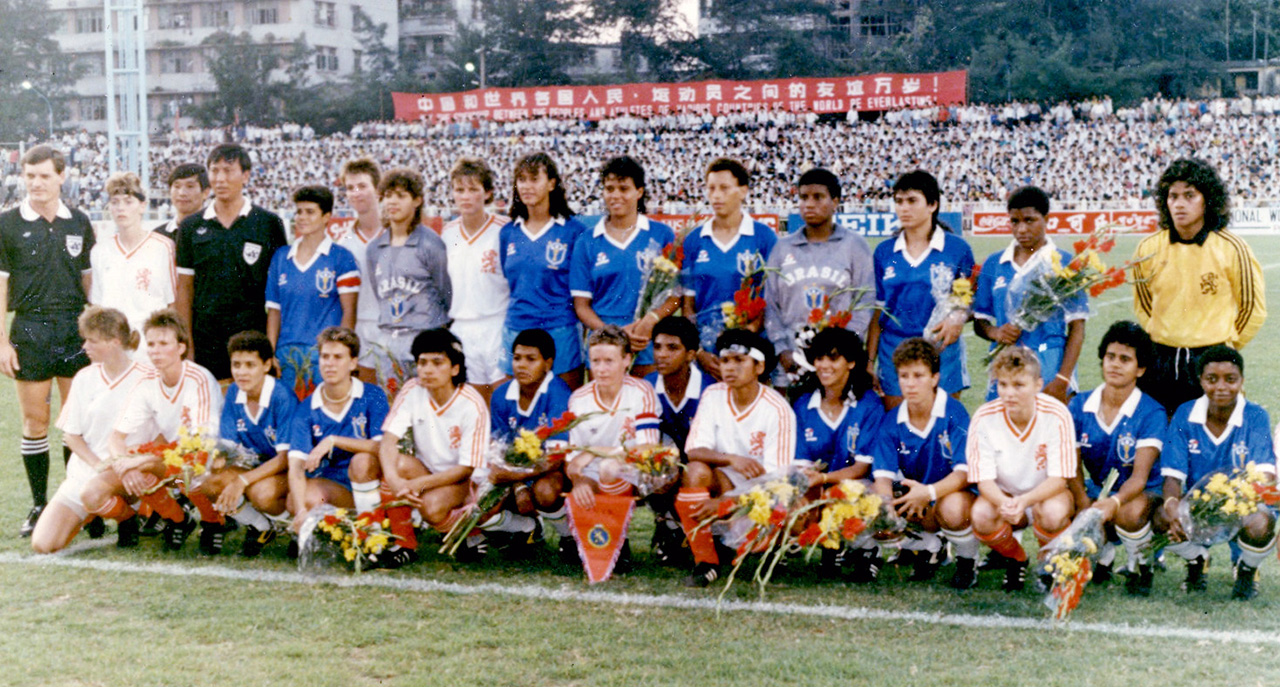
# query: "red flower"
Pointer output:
{"type": "Point", "coordinates": [1079, 246]}
{"type": "Point", "coordinates": [835, 493]}
{"type": "Point", "coordinates": [816, 315]}
{"type": "Point", "coordinates": [1107, 246]}
{"type": "Point", "coordinates": [1077, 263]}
{"type": "Point", "coordinates": [852, 528]}
{"type": "Point", "coordinates": [973, 274]}
{"type": "Point", "coordinates": [810, 535]}
{"type": "Point", "coordinates": [330, 520]}
{"type": "Point", "coordinates": [841, 319]}
{"type": "Point", "coordinates": [778, 516]}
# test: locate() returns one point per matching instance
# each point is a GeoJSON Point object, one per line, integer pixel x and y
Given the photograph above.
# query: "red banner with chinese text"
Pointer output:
{"type": "Point", "coordinates": [1082, 222]}
{"type": "Point", "coordinates": [868, 93]}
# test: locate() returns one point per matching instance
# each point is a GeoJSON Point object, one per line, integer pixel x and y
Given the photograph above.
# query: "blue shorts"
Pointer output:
{"type": "Point", "coordinates": [954, 377]}
{"type": "Point", "coordinates": [1050, 363]}
{"type": "Point", "coordinates": [568, 342]}
{"type": "Point", "coordinates": [334, 473]}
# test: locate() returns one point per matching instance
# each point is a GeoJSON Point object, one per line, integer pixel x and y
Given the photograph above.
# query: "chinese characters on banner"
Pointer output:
{"type": "Point", "coordinates": [842, 94]}
{"type": "Point", "coordinates": [1082, 222]}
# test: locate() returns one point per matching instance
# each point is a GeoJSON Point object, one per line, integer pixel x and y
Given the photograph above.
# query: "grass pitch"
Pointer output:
{"type": "Point", "coordinates": [102, 617]}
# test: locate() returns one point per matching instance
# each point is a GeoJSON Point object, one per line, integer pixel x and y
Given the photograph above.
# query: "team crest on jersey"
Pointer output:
{"type": "Point", "coordinates": [601, 259]}
{"type": "Point", "coordinates": [397, 304]}
{"type": "Point", "coordinates": [315, 430]}
{"type": "Point", "coordinates": [511, 422]}
{"type": "Point", "coordinates": [940, 279]}
{"type": "Point", "coordinates": [628, 430]}
{"type": "Point", "coordinates": [757, 444]}
{"type": "Point", "coordinates": [1042, 457]}
{"type": "Point", "coordinates": [511, 249]}
{"type": "Point", "coordinates": [747, 262]}
{"type": "Point", "coordinates": [813, 297]}
{"type": "Point", "coordinates": [944, 442]}
{"type": "Point", "coordinates": [324, 281]}
{"type": "Point", "coordinates": [646, 256]}
{"type": "Point", "coordinates": [1126, 445]}
{"type": "Point", "coordinates": [851, 439]}
{"type": "Point", "coordinates": [252, 252]}
{"type": "Point", "coordinates": [542, 420]}
{"type": "Point", "coordinates": [489, 262]}
{"type": "Point", "coordinates": [1193, 446]}
{"type": "Point", "coordinates": [809, 434]}
{"type": "Point", "coordinates": [142, 278]}
{"type": "Point", "coordinates": [902, 449]}
{"type": "Point", "coordinates": [455, 437]}
{"type": "Point", "coordinates": [1239, 453]}
{"type": "Point", "coordinates": [557, 251]}
{"type": "Point", "coordinates": [889, 273]}
{"type": "Point", "coordinates": [360, 426]}
{"type": "Point", "coordinates": [75, 244]}
{"type": "Point", "coordinates": [270, 433]}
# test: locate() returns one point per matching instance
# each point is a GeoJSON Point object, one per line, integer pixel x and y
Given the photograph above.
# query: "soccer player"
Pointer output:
{"type": "Point", "coordinates": [923, 254]}
{"type": "Point", "coordinates": [450, 425]}
{"type": "Point", "coordinates": [223, 256]}
{"type": "Point", "coordinates": [719, 255]}
{"type": "Point", "coordinates": [1120, 428]}
{"type": "Point", "coordinates": [334, 434]}
{"type": "Point", "coordinates": [606, 275]}
{"type": "Point", "coordinates": [188, 191]}
{"type": "Point", "coordinates": [838, 413]}
{"type": "Point", "coordinates": [86, 420]}
{"type": "Point", "coordinates": [625, 413]}
{"type": "Point", "coordinates": [44, 281]}
{"type": "Point", "coordinates": [1198, 284]}
{"type": "Point", "coordinates": [808, 266]}
{"type": "Point", "coordinates": [743, 430]}
{"type": "Point", "coordinates": [256, 415]}
{"type": "Point", "coordinates": [1220, 430]}
{"type": "Point", "coordinates": [1020, 452]}
{"type": "Point", "coordinates": [311, 285]}
{"type": "Point", "coordinates": [1057, 341]}
{"type": "Point", "coordinates": [917, 457]}
{"type": "Point", "coordinates": [410, 274]}
{"type": "Point", "coordinates": [481, 292]}
{"type": "Point", "coordinates": [134, 271]}
{"type": "Point", "coordinates": [534, 398]}
{"type": "Point", "coordinates": [178, 394]}
{"type": "Point", "coordinates": [360, 178]}
{"type": "Point", "coordinates": [536, 249]}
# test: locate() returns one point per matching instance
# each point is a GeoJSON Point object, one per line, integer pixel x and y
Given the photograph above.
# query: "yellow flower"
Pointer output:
{"type": "Point", "coordinates": [661, 264]}
{"type": "Point", "coordinates": [1089, 546]}
{"type": "Point", "coordinates": [340, 513]}
{"type": "Point", "coordinates": [349, 554]}
{"type": "Point", "coordinates": [1055, 262]}
{"type": "Point", "coordinates": [527, 444]}
{"type": "Point", "coordinates": [1095, 262]}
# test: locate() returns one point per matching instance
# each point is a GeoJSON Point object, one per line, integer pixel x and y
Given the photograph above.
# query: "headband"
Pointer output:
{"type": "Point", "coordinates": [753, 353]}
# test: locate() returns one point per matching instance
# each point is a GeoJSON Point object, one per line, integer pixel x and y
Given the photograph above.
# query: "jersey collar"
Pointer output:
{"type": "Point", "coordinates": [322, 249]}
{"type": "Point", "coordinates": [519, 222]}
{"type": "Point", "coordinates": [936, 243]}
{"type": "Point", "coordinates": [692, 390]}
{"type": "Point", "coordinates": [29, 213]}
{"type": "Point", "coordinates": [264, 398]}
{"type": "Point", "coordinates": [747, 227]}
{"type": "Point", "coordinates": [1043, 252]}
{"type": "Point", "coordinates": [513, 393]}
{"type": "Point", "coordinates": [1200, 412]}
{"type": "Point", "coordinates": [939, 410]}
{"type": "Point", "coordinates": [815, 404]}
{"type": "Point", "coordinates": [837, 234]}
{"type": "Point", "coordinates": [317, 402]}
{"type": "Point", "coordinates": [1093, 404]}
{"type": "Point", "coordinates": [245, 207]}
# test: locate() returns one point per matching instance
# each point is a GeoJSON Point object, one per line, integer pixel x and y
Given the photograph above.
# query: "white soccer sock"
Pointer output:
{"type": "Point", "coordinates": [249, 516]}
{"type": "Point", "coordinates": [1187, 551]}
{"type": "Point", "coordinates": [506, 521]}
{"type": "Point", "coordinates": [1253, 556]}
{"type": "Point", "coordinates": [1136, 543]}
{"type": "Point", "coordinates": [963, 542]}
{"type": "Point", "coordinates": [558, 520]}
{"type": "Point", "coordinates": [1108, 554]}
{"type": "Point", "coordinates": [922, 541]}
{"type": "Point", "coordinates": [366, 495]}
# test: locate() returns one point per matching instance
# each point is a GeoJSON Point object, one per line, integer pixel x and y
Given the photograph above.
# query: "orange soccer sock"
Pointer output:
{"type": "Point", "coordinates": [401, 518]}
{"type": "Point", "coordinates": [1043, 537]}
{"type": "Point", "coordinates": [1002, 542]}
{"type": "Point", "coordinates": [701, 544]}
{"type": "Point", "coordinates": [161, 502]}
{"type": "Point", "coordinates": [115, 508]}
{"type": "Point", "coordinates": [207, 512]}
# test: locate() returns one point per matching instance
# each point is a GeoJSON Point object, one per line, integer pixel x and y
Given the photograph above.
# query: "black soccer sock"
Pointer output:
{"type": "Point", "coordinates": [35, 457]}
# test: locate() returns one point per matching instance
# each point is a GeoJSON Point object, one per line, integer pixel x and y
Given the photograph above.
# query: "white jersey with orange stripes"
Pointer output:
{"type": "Point", "coordinates": [765, 430]}
{"type": "Point", "coordinates": [480, 290]}
{"type": "Point", "coordinates": [1019, 461]}
{"type": "Point", "coordinates": [154, 409]}
{"type": "Point", "coordinates": [136, 282]}
{"type": "Point", "coordinates": [94, 404]}
{"type": "Point", "coordinates": [446, 436]}
{"type": "Point", "coordinates": [631, 419]}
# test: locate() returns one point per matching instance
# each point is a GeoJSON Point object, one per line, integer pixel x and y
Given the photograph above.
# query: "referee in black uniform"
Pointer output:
{"type": "Point", "coordinates": [223, 257]}
{"type": "Point", "coordinates": [44, 281]}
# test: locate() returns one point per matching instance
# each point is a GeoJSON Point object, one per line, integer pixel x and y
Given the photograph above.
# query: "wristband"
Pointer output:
{"type": "Point", "coordinates": [1065, 379]}
{"type": "Point", "coordinates": [1115, 498]}
{"type": "Point", "coordinates": [933, 494]}
{"type": "Point", "coordinates": [242, 479]}
{"type": "Point", "coordinates": [655, 315]}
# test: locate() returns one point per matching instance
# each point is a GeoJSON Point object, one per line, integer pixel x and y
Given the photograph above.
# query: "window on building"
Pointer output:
{"type": "Point", "coordinates": [89, 21]}
{"type": "Point", "coordinates": [265, 13]}
{"type": "Point", "coordinates": [357, 59]}
{"type": "Point", "coordinates": [176, 62]}
{"type": "Point", "coordinates": [215, 16]}
{"type": "Point", "coordinates": [93, 109]}
{"type": "Point", "coordinates": [92, 64]}
{"type": "Point", "coordinates": [437, 45]}
{"type": "Point", "coordinates": [880, 24]}
{"type": "Point", "coordinates": [326, 59]}
{"type": "Point", "coordinates": [326, 14]}
{"type": "Point", "coordinates": [174, 16]}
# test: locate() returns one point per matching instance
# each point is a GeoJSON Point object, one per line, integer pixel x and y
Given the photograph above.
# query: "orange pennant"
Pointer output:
{"type": "Point", "coordinates": [701, 544]}
{"type": "Point", "coordinates": [601, 532]}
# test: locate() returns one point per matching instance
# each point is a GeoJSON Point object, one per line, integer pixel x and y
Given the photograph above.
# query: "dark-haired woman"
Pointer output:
{"type": "Point", "coordinates": [837, 420]}
{"type": "Point", "coordinates": [536, 250]}
{"type": "Point", "coordinates": [912, 271]}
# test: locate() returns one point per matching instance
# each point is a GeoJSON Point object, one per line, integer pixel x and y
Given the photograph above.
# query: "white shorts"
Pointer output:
{"type": "Point", "coordinates": [482, 343]}
{"type": "Point", "coordinates": [78, 476]}
{"type": "Point", "coordinates": [369, 335]}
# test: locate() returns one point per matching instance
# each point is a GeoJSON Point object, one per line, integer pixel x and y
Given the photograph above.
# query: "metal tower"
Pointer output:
{"type": "Point", "coordinates": [127, 88]}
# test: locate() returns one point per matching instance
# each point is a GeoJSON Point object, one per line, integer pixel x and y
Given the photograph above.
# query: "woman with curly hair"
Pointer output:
{"type": "Point", "coordinates": [1198, 284]}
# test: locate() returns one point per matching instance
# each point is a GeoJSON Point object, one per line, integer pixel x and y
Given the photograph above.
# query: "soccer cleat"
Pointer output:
{"type": "Point", "coordinates": [524, 545]}
{"type": "Point", "coordinates": [392, 559]}
{"type": "Point", "coordinates": [255, 540]}
{"type": "Point", "coordinates": [1015, 576]}
{"type": "Point", "coordinates": [568, 551]}
{"type": "Point", "coordinates": [1246, 584]}
{"type": "Point", "coordinates": [703, 575]}
{"type": "Point", "coordinates": [1102, 574]}
{"type": "Point", "coordinates": [1139, 583]}
{"type": "Point", "coordinates": [472, 550]}
{"type": "Point", "coordinates": [966, 575]}
{"type": "Point", "coordinates": [624, 563]}
{"type": "Point", "coordinates": [29, 525]}
{"type": "Point", "coordinates": [212, 537]}
{"type": "Point", "coordinates": [127, 533]}
{"type": "Point", "coordinates": [175, 533]}
{"type": "Point", "coordinates": [864, 565]}
{"type": "Point", "coordinates": [926, 565]}
{"type": "Point", "coordinates": [1043, 583]}
{"type": "Point", "coordinates": [96, 528]}
{"type": "Point", "coordinates": [291, 551]}
{"type": "Point", "coordinates": [1196, 581]}
{"type": "Point", "coordinates": [153, 527]}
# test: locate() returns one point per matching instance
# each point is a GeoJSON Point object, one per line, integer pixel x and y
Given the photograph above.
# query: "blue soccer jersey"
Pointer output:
{"type": "Point", "coordinates": [609, 273]}
{"type": "Point", "coordinates": [1191, 452]}
{"type": "Point", "coordinates": [992, 303]}
{"type": "Point", "coordinates": [677, 417]}
{"type": "Point", "coordinates": [905, 286]}
{"type": "Point", "coordinates": [901, 451]}
{"type": "Point", "coordinates": [361, 419]}
{"type": "Point", "coordinates": [1140, 423]}
{"type": "Point", "coordinates": [712, 271]}
{"type": "Point", "coordinates": [837, 443]}
{"type": "Point", "coordinates": [506, 418]}
{"type": "Point", "coordinates": [266, 434]}
{"type": "Point", "coordinates": [537, 270]}
{"type": "Point", "coordinates": [307, 295]}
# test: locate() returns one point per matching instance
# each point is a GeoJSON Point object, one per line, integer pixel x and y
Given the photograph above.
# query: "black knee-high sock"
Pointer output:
{"type": "Point", "coordinates": [35, 457]}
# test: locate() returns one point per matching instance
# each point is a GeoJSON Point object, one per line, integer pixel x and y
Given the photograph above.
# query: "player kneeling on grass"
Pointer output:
{"type": "Point", "coordinates": [917, 456]}
{"type": "Point", "coordinates": [97, 394]}
{"type": "Point", "coordinates": [1021, 452]}
{"type": "Point", "coordinates": [450, 425]}
{"type": "Point", "coordinates": [743, 430]}
{"type": "Point", "coordinates": [624, 412]}
{"type": "Point", "coordinates": [1122, 429]}
{"type": "Point", "coordinates": [178, 394]}
{"type": "Point", "coordinates": [334, 434]}
{"type": "Point", "coordinates": [535, 398]}
{"type": "Point", "coordinates": [256, 415]}
{"type": "Point", "coordinates": [1218, 431]}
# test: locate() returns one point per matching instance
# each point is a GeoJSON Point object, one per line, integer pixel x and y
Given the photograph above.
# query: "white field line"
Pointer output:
{"type": "Point", "coordinates": [670, 601]}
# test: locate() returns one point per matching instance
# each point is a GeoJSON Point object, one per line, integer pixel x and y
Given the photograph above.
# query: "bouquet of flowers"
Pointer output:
{"type": "Point", "coordinates": [189, 460]}
{"type": "Point", "coordinates": [525, 453]}
{"type": "Point", "coordinates": [1037, 294]}
{"type": "Point", "coordinates": [1215, 508]}
{"type": "Point", "coordinates": [850, 516]}
{"type": "Point", "coordinates": [747, 305]}
{"type": "Point", "coordinates": [950, 297]}
{"type": "Point", "coordinates": [822, 317]}
{"type": "Point", "coordinates": [332, 535]}
{"type": "Point", "coordinates": [660, 277]}
{"type": "Point", "coordinates": [388, 371]}
{"type": "Point", "coordinates": [650, 468]}
{"type": "Point", "coordinates": [1069, 558]}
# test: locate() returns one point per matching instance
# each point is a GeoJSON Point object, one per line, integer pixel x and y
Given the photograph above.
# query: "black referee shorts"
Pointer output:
{"type": "Point", "coordinates": [48, 346]}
